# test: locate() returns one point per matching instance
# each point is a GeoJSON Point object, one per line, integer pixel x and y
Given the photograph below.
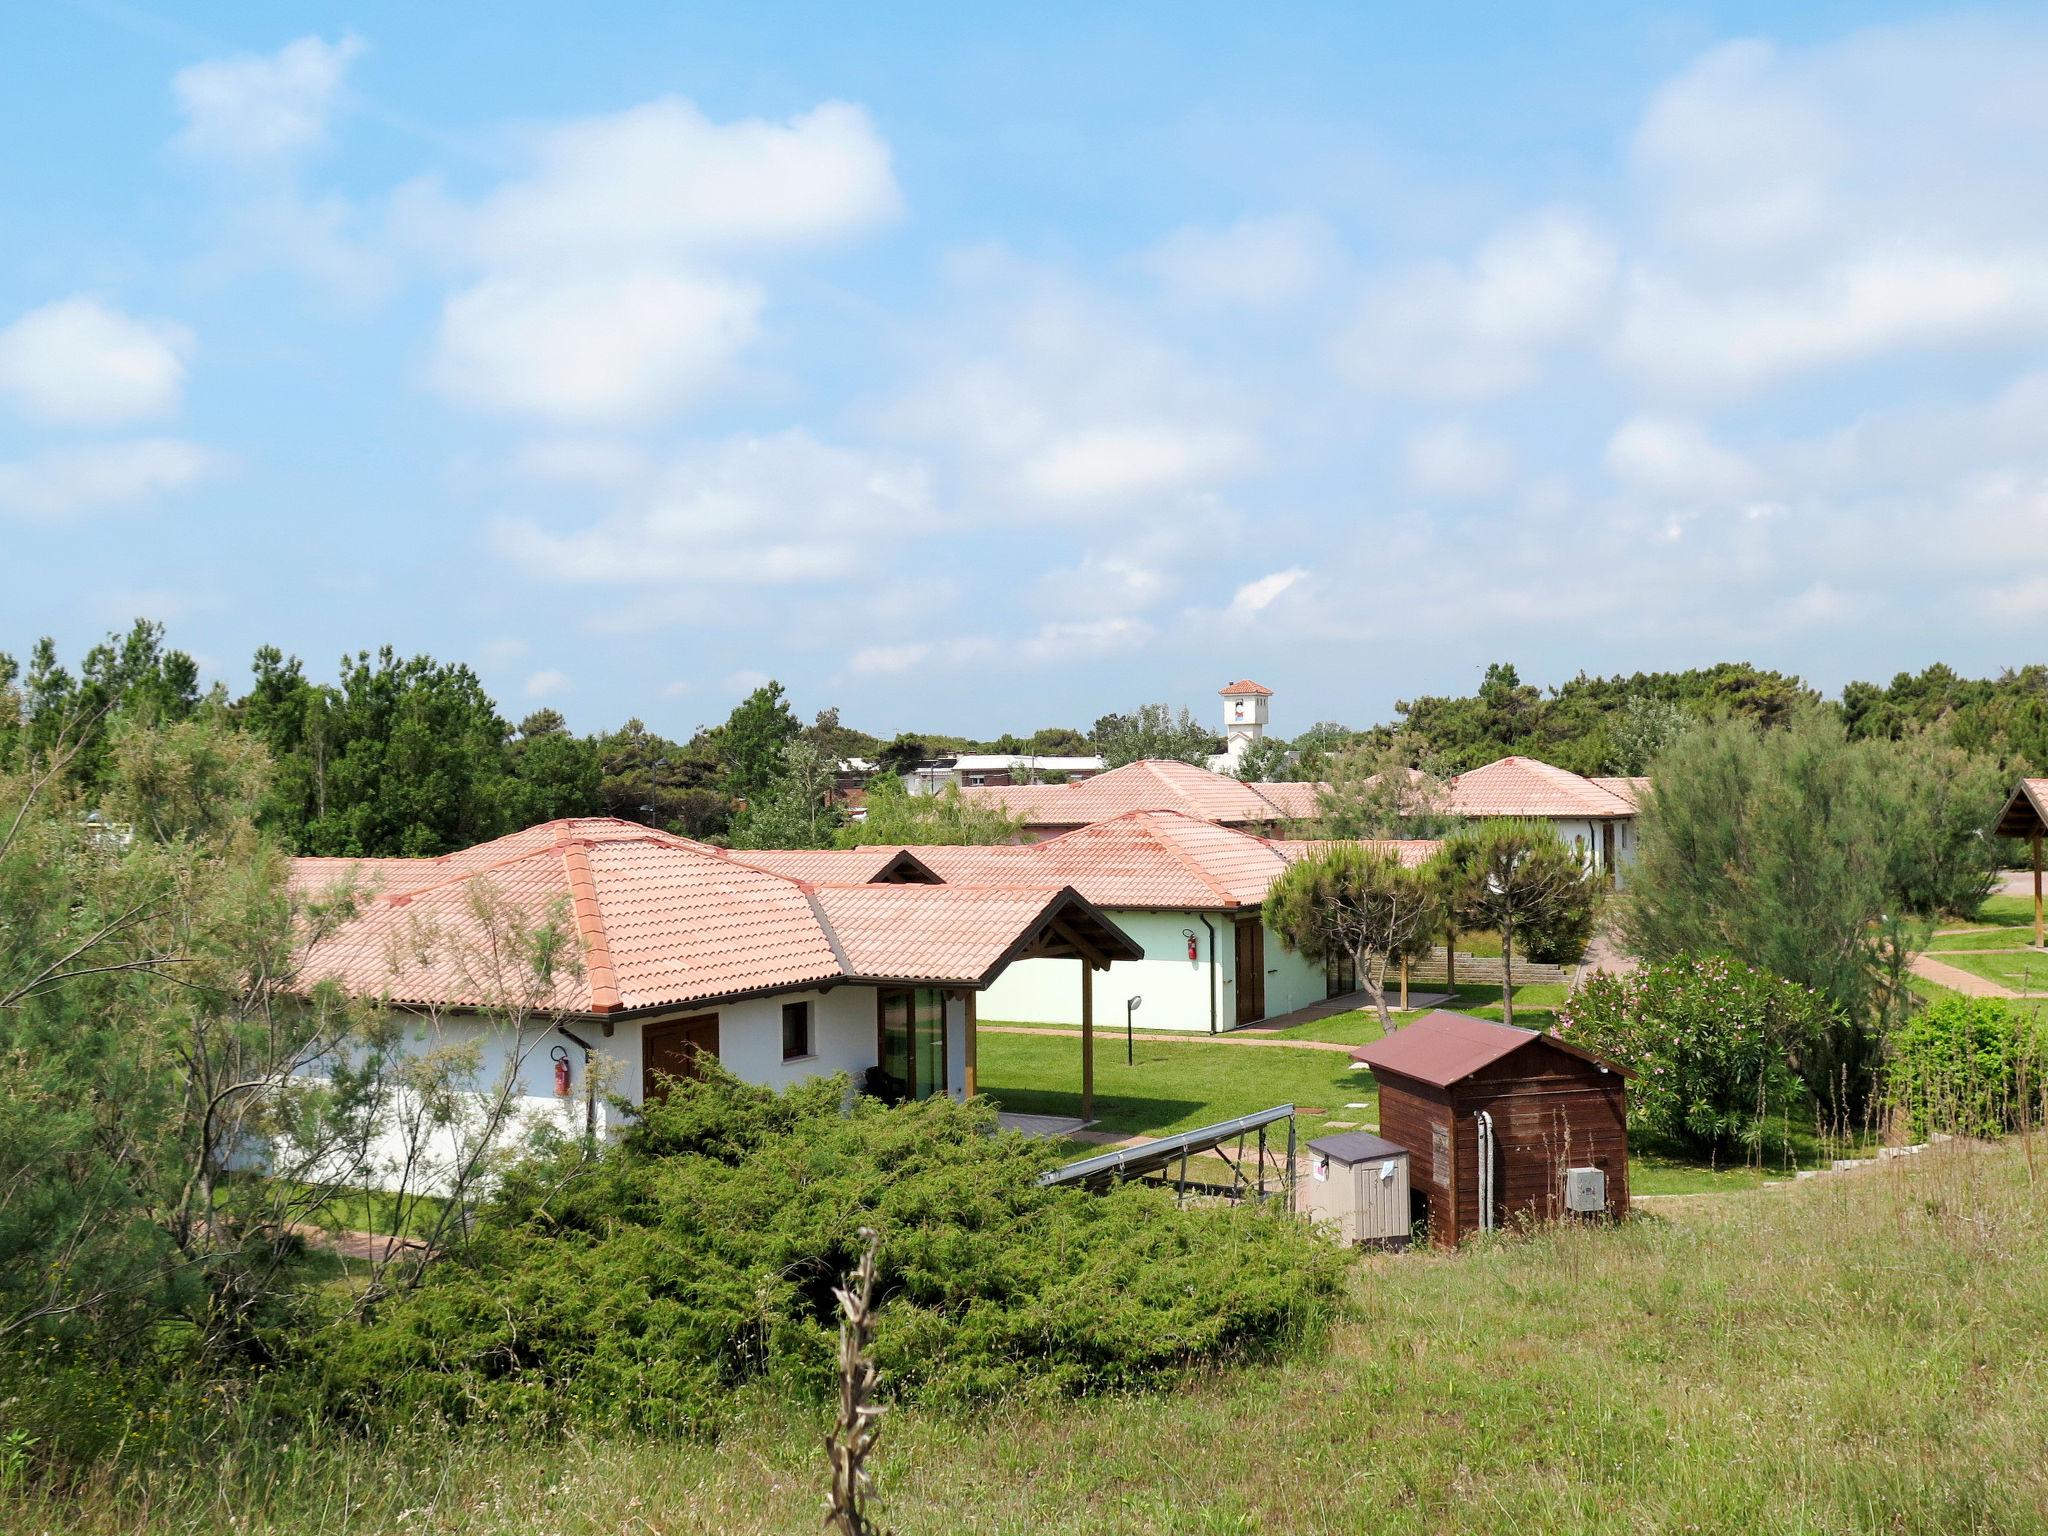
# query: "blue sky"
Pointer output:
{"type": "Point", "coordinates": [976, 373]}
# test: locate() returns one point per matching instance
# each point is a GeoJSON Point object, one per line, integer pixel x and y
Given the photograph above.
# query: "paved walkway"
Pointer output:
{"type": "Point", "coordinates": [1956, 979]}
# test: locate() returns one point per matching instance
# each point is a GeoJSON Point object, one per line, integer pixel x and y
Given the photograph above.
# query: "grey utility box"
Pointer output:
{"type": "Point", "coordinates": [1359, 1183]}
{"type": "Point", "coordinates": [1585, 1191]}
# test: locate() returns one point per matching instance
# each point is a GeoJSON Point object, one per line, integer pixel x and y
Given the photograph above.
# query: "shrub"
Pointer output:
{"type": "Point", "coordinates": [638, 1291]}
{"type": "Point", "coordinates": [1967, 1065]}
{"type": "Point", "coordinates": [1715, 1045]}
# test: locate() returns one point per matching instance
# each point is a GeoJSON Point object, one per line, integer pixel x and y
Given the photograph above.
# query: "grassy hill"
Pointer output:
{"type": "Point", "coordinates": [1853, 1353]}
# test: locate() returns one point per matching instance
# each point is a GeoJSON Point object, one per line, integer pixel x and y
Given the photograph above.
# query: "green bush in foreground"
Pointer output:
{"type": "Point", "coordinates": [1713, 1044]}
{"type": "Point", "coordinates": [1969, 1066]}
{"type": "Point", "coordinates": [639, 1291]}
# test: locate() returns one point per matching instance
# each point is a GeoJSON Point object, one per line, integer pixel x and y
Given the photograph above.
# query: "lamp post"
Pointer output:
{"type": "Point", "coordinates": [1131, 1006]}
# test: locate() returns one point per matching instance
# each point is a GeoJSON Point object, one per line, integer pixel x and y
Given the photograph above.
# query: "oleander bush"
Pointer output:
{"type": "Point", "coordinates": [637, 1291]}
{"type": "Point", "coordinates": [1968, 1066]}
{"type": "Point", "coordinates": [1716, 1046]}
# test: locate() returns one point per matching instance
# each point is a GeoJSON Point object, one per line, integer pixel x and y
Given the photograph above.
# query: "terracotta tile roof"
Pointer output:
{"type": "Point", "coordinates": [1629, 789]}
{"type": "Point", "coordinates": [1443, 1048]}
{"type": "Point", "coordinates": [1522, 786]}
{"type": "Point", "coordinates": [660, 920]}
{"type": "Point", "coordinates": [1139, 861]}
{"type": "Point", "coordinates": [820, 866]}
{"type": "Point", "coordinates": [924, 933]}
{"type": "Point", "coordinates": [1411, 851]}
{"type": "Point", "coordinates": [1245, 685]}
{"type": "Point", "coordinates": [1150, 785]}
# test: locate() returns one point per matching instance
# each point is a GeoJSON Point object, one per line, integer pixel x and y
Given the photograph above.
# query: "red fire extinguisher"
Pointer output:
{"type": "Point", "coordinates": [1192, 954]}
{"type": "Point", "coordinates": [561, 1073]}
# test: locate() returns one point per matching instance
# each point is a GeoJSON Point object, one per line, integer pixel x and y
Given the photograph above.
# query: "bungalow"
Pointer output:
{"type": "Point", "coordinates": [1049, 810]}
{"type": "Point", "coordinates": [687, 952]}
{"type": "Point", "coordinates": [1596, 816]}
{"type": "Point", "coordinates": [1185, 890]}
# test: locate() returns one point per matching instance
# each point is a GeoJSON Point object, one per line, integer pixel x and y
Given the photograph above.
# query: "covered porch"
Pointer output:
{"type": "Point", "coordinates": [2026, 817]}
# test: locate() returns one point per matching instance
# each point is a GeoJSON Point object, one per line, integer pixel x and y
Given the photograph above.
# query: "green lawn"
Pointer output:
{"type": "Point", "coordinates": [2023, 973]}
{"type": "Point", "coordinates": [1984, 938]}
{"type": "Point", "coordinates": [1178, 1084]}
{"type": "Point", "coordinates": [1175, 1084]}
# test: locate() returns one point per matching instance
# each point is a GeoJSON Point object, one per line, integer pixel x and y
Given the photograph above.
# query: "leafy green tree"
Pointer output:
{"type": "Point", "coordinates": [901, 756]}
{"type": "Point", "coordinates": [750, 743]}
{"type": "Point", "coordinates": [557, 773]}
{"type": "Point", "coordinates": [647, 778]}
{"type": "Point", "coordinates": [417, 762]}
{"type": "Point", "coordinates": [797, 809]}
{"type": "Point", "coordinates": [1801, 852]}
{"type": "Point", "coordinates": [838, 742]}
{"type": "Point", "coordinates": [1711, 1042]}
{"type": "Point", "coordinates": [1644, 727]}
{"type": "Point", "coordinates": [897, 817]}
{"type": "Point", "coordinates": [1265, 761]}
{"type": "Point", "coordinates": [1381, 789]}
{"type": "Point", "coordinates": [1156, 732]}
{"type": "Point", "coordinates": [1517, 879]}
{"type": "Point", "coordinates": [1058, 741]}
{"type": "Point", "coordinates": [1356, 902]}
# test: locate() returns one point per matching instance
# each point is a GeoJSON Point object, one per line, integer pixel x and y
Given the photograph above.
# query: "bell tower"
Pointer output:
{"type": "Point", "coordinates": [1244, 718]}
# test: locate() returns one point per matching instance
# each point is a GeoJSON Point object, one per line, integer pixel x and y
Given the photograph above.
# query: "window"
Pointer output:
{"type": "Point", "coordinates": [977, 778]}
{"type": "Point", "coordinates": [796, 1030]}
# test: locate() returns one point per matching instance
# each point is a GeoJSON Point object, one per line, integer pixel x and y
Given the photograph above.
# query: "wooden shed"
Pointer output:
{"type": "Point", "coordinates": [1501, 1123]}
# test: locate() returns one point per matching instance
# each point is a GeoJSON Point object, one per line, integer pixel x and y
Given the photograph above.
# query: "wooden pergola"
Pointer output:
{"type": "Point", "coordinates": [2026, 815]}
{"type": "Point", "coordinates": [1072, 929]}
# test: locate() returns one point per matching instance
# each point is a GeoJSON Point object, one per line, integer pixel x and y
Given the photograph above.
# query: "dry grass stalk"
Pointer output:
{"type": "Point", "coordinates": [852, 1440]}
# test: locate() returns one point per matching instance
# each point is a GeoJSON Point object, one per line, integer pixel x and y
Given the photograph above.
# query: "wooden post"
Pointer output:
{"type": "Point", "coordinates": [1404, 983]}
{"type": "Point", "coordinates": [1087, 1041]}
{"type": "Point", "coordinates": [2037, 888]}
{"type": "Point", "coordinates": [1451, 958]}
{"type": "Point", "coordinates": [972, 1084]}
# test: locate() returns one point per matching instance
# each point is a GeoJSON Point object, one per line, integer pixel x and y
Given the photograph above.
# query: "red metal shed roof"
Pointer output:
{"type": "Point", "coordinates": [1443, 1048]}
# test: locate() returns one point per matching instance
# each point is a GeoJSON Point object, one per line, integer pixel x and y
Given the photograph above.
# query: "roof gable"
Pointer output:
{"type": "Point", "coordinates": [1150, 784]}
{"type": "Point", "coordinates": [1443, 1048]}
{"type": "Point", "coordinates": [1523, 786]}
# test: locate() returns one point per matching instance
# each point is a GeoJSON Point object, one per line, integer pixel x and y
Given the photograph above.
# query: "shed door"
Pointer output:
{"type": "Point", "coordinates": [669, 1050]}
{"type": "Point", "coordinates": [1251, 972]}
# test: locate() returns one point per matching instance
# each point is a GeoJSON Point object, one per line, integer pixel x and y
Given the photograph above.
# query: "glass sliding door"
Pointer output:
{"type": "Point", "coordinates": [913, 1044]}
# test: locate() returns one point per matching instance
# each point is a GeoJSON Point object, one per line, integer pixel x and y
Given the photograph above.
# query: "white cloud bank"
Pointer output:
{"type": "Point", "coordinates": [73, 481]}
{"type": "Point", "coordinates": [254, 109]}
{"type": "Point", "coordinates": [76, 362]}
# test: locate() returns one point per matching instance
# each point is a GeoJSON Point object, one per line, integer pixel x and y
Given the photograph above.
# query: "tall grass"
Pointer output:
{"type": "Point", "coordinates": [1856, 1353]}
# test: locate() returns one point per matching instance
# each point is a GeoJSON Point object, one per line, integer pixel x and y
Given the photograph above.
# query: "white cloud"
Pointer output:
{"type": "Point", "coordinates": [1676, 460]}
{"type": "Point", "coordinates": [1257, 263]}
{"type": "Point", "coordinates": [1452, 461]}
{"type": "Point", "coordinates": [605, 287]}
{"type": "Point", "coordinates": [1816, 208]}
{"type": "Point", "coordinates": [1255, 597]}
{"type": "Point", "coordinates": [661, 180]}
{"type": "Point", "coordinates": [77, 362]}
{"type": "Point", "coordinates": [886, 660]}
{"type": "Point", "coordinates": [1081, 640]}
{"type": "Point", "coordinates": [74, 481]}
{"type": "Point", "coordinates": [547, 683]}
{"type": "Point", "coordinates": [594, 350]}
{"type": "Point", "coordinates": [759, 511]}
{"type": "Point", "coordinates": [1051, 402]}
{"type": "Point", "coordinates": [257, 108]}
{"type": "Point", "coordinates": [1482, 330]}
{"type": "Point", "coordinates": [1115, 463]}
{"type": "Point", "coordinates": [1691, 338]}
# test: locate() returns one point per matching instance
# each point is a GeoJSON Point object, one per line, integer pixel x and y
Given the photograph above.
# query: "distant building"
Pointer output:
{"type": "Point", "coordinates": [1244, 722]}
{"type": "Point", "coordinates": [1153, 785]}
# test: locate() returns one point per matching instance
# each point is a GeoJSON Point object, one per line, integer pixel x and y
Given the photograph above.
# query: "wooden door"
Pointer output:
{"type": "Point", "coordinates": [670, 1050]}
{"type": "Point", "coordinates": [1607, 850]}
{"type": "Point", "coordinates": [1251, 972]}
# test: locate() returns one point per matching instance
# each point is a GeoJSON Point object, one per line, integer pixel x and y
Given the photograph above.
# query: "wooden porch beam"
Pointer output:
{"type": "Point", "coordinates": [971, 1084]}
{"type": "Point", "coordinates": [1087, 1040]}
{"type": "Point", "coordinates": [2037, 887]}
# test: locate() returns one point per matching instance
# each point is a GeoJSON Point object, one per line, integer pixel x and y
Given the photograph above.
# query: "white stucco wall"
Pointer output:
{"type": "Point", "coordinates": [749, 1044]}
{"type": "Point", "coordinates": [1175, 989]}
